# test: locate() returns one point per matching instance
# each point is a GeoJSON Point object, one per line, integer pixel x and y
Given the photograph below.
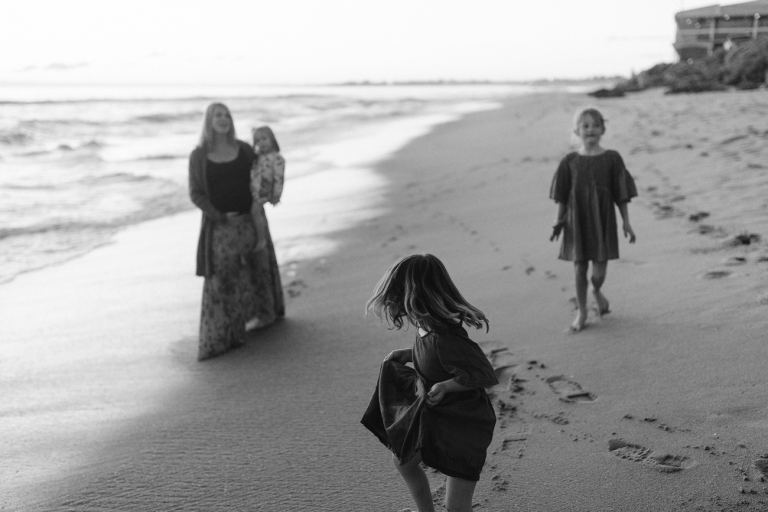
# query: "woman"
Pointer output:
{"type": "Point", "coordinates": [242, 285]}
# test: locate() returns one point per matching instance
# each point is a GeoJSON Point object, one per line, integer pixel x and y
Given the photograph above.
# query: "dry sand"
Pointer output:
{"type": "Point", "coordinates": [659, 406]}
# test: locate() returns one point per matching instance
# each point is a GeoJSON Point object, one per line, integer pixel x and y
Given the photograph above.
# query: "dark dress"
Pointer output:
{"type": "Point", "coordinates": [591, 186]}
{"type": "Point", "coordinates": [454, 434]}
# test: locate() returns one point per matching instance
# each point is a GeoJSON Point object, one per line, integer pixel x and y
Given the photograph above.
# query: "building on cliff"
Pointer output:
{"type": "Point", "coordinates": [702, 31]}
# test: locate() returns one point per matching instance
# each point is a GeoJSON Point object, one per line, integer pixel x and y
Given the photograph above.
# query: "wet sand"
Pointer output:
{"type": "Point", "coordinates": [657, 406]}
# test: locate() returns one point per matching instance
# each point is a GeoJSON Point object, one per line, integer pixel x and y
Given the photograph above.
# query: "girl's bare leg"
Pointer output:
{"type": "Point", "coordinates": [417, 483]}
{"type": "Point", "coordinates": [581, 295]}
{"type": "Point", "coordinates": [458, 494]}
{"type": "Point", "coordinates": [599, 269]}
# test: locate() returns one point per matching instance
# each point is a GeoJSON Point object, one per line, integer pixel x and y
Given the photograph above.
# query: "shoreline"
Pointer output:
{"type": "Point", "coordinates": [666, 409]}
{"type": "Point", "coordinates": [351, 148]}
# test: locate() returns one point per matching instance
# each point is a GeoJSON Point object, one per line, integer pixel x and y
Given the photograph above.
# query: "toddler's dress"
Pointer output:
{"type": "Point", "coordinates": [452, 435]}
{"type": "Point", "coordinates": [590, 185]}
{"type": "Point", "coordinates": [267, 176]}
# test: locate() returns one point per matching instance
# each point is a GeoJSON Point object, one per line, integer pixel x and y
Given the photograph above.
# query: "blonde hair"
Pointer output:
{"type": "Point", "coordinates": [206, 137]}
{"type": "Point", "coordinates": [419, 289]}
{"type": "Point", "coordinates": [270, 135]}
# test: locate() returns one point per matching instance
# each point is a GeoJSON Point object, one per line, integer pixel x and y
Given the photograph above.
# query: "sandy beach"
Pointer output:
{"type": "Point", "coordinates": [658, 406]}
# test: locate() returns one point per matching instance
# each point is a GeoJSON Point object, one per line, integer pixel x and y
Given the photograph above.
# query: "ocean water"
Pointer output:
{"type": "Point", "coordinates": [77, 164]}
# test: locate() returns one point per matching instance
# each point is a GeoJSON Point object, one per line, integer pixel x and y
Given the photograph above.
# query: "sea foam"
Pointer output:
{"type": "Point", "coordinates": [80, 164]}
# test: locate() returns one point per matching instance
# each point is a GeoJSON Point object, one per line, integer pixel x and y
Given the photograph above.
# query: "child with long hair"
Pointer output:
{"type": "Point", "coordinates": [587, 185]}
{"type": "Point", "coordinates": [267, 176]}
{"type": "Point", "coordinates": [437, 412]}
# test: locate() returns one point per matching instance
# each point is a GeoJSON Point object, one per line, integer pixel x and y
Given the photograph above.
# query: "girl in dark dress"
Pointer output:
{"type": "Point", "coordinates": [438, 412]}
{"type": "Point", "coordinates": [587, 185]}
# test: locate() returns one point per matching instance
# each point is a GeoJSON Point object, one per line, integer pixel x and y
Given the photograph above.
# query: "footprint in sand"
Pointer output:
{"type": "Point", "coordinates": [664, 211]}
{"type": "Point", "coordinates": [662, 462]}
{"type": "Point", "coordinates": [733, 139]}
{"type": "Point", "coordinates": [508, 442]}
{"type": "Point", "coordinates": [500, 485]}
{"type": "Point", "coordinates": [505, 410]}
{"type": "Point", "coordinates": [716, 274]}
{"type": "Point", "coordinates": [503, 365]}
{"type": "Point", "coordinates": [438, 495]}
{"type": "Point", "coordinates": [499, 356]}
{"type": "Point", "coordinates": [514, 442]}
{"type": "Point", "coordinates": [504, 368]}
{"type": "Point", "coordinates": [706, 229]}
{"type": "Point", "coordinates": [505, 374]}
{"type": "Point", "coordinates": [743, 239]}
{"type": "Point", "coordinates": [506, 377]}
{"type": "Point", "coordinates": [294, 288]}
{"type": "Point", "coordinates": [762, 465]}
{"type": "Point", "coordinates": [570, 391]}
{"type": "Point", "coordinates": [696, 217]}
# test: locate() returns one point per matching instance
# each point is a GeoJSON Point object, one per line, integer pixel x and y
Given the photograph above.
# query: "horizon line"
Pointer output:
{"type": "Point", "coordinates": [364, 82]}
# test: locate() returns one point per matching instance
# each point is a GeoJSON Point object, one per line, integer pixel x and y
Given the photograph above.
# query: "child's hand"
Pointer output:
{"type": "Point", "coordinates": [401, 356]}
{"type": "Point", "coordinates": [435, 394]}
{"type": "Point", "coordinates": [556, 230]}
{"type": "Point", "coordinates": [629, 233]}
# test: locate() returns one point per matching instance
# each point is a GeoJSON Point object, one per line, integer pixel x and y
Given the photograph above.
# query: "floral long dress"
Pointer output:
{"type": "Point", "coordinates": [230, 294]}
{"type": "Point", "coordinates": [242, 288]}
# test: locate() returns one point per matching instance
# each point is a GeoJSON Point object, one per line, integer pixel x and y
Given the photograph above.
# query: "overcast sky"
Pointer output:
{"type": "Point", "coordinates": [320, 41]}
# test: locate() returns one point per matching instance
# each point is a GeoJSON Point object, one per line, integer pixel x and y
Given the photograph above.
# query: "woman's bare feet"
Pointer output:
{"type": "Point", "coordinates": [579, 322]}
{"type": "Point", "coordinates": [603, 306]}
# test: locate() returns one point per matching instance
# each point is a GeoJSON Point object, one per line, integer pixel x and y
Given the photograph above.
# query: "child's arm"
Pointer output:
{"type": "Point", "coordinates": [256, 170]}
{"type": "Point", "coordinates": [404, 355]}
{"type": "Point", "coordinates": [628, 232]}
{"type": "Point", "coordinates": [562, 208]}
{"type": "Point", "coordinates": [440, 389]}
{"type": "Point", "coordinates": [278, 176]}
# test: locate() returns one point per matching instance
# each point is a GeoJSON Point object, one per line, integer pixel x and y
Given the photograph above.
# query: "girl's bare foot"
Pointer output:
{"type": "Point", "coordinates": [579, 323]}
{"type": "Point", "coordinates": [603, 306]}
